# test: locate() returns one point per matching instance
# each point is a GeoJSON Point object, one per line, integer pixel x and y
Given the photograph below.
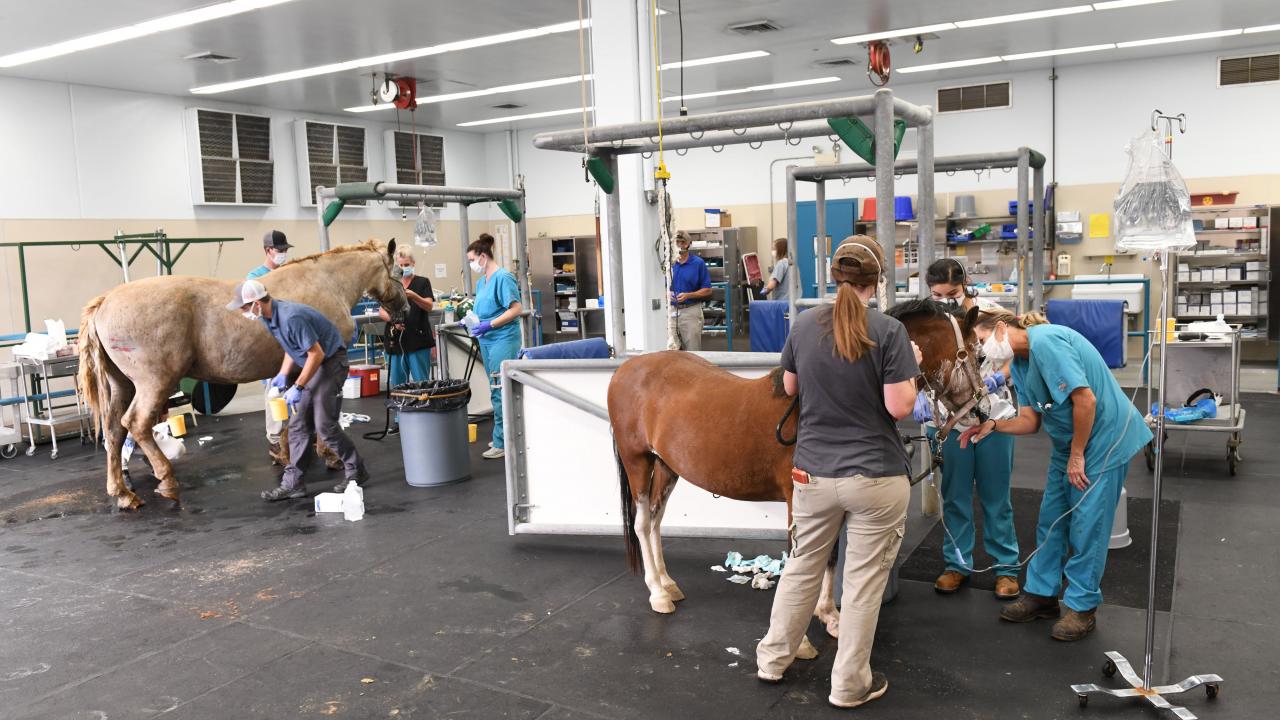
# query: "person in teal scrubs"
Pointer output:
{"type": "Point", "coordinates": [983, 469]}
{"type": "Point", "coordinates": [1064, 385]}
{"type": "Point", "coordinates": [498, 307]}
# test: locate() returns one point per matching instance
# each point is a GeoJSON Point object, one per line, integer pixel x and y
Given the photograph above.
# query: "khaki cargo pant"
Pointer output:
{"type": "Point", "coordinates": [686, 324]}
{"type": "Point", "coordinates": [873, 512]}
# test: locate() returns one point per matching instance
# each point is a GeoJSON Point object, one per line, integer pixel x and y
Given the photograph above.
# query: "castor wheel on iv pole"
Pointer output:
{"type": "Point", "coordinates": [1084, 699]}
{"type": "Point", "coordinates": [1150, 454]}
{"type": "Point", "coordinates": [1109, 669]}
{"type": "Point", "coordinates": [53, 455]}
{"type": "Point", "coordinates": [31, 451]}
{"type": "Point", "coordinates": [8, 452]}
{"type": "Point", "coordinates": [1211, 690]}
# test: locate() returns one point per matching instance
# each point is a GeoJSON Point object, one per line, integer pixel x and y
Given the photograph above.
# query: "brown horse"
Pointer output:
{"type": "Point", "coordinates": [139, 339]}
{"type": "Point", "coordinates": [675, 415]}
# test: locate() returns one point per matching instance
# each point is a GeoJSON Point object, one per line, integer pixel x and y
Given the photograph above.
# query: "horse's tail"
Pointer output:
{"type": "Point", "coordinates": [628, 517]}
{"type": "Point", "coordinates": [93, 366]}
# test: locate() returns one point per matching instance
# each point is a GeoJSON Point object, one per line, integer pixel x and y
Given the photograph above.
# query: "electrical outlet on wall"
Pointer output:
{"type": "Point", "coordinates": [441, 270]}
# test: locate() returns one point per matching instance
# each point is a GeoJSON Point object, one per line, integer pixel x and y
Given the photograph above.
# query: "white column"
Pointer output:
{"type": "Point", "coordinates": [622, 62]}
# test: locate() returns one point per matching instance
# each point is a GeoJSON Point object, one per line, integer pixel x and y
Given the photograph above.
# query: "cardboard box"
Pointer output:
{"type": "Point", "coordinates": [1229, 297]}
{"type": "Point", "coordinates": [1219, 274]}
{"type": "Point", "coordinates": [1221, 223]}
{"type": "Point", "coordinates": [1236, 272]}
{"type": "Point", "coordinates": [1215, 309]}
{"type": "Point", "coordinates": [351, 388]}
{"type": "Point", "coordinates": [1235, 222]}
{"type": "Point", "coordinates": [1250, 222]}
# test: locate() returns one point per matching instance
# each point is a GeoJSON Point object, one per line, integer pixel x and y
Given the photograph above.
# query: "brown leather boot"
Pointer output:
{"type": "Point", "coordinates": [1075, 625]}
{"type": "Point", "coordinates": [949, 582]}
{"type": "Point", "coordinates": [1007, 587]}
{"type": "Point", "coordinates": [1030, 607]}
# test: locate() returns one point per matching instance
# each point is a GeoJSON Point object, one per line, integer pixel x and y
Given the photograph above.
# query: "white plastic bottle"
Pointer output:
{"type": "Point", "coordinates": [353, 502]}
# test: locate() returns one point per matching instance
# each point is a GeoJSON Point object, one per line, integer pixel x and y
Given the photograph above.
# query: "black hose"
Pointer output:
{"type": "Point", "coordinates": [777, 431]}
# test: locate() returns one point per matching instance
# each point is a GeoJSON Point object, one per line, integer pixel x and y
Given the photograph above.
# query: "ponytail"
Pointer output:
{"type": "Point", "coordinates": [989, 318]}
{"type": "Point", "coordinates": [849, 324]}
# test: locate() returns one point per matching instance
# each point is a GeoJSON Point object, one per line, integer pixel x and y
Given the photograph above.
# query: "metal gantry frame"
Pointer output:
{"type": "Point", "coordinates": [790, 123]}
{"type": "Point", "coordinates": [330, 201]}
{"type": "Point", "coordinates": [1031, 235]}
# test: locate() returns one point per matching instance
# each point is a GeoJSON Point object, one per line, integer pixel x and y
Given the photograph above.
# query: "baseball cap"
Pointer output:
{"type": "Point", "coordinates": [275, 239]}
{"type": "Point", "coordinates": [247, 292]}
{"type": "Point", "coordinates": [862, 250]}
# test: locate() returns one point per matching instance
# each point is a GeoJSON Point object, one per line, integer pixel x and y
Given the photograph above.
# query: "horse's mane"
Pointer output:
{"type": "Point", "coordinates": [358, 247]}
{"type": "Point", "coordinates": [916, 307]}
{"type": "Point", "coordinates": [776, 376]}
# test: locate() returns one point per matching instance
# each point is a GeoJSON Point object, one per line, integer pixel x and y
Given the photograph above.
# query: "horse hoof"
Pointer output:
{"type": "Point", "coordinates": [833, 628]}
{"type": "Point", "coordinates": [807, 651]}
{"type": "Point", "coordinates": [129, 501]}
{"type": "Point", "coordinates": [662, 605]}
{"type": "Point", "coordinates": [674, 592]}
{"type": "Point", "coordinates": [168, 493]}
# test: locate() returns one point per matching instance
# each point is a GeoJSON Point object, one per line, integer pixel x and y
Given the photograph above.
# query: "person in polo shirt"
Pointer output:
{"type": "Point", "coordinates": [276, 248]}
{"type": "Point", "coordinates": [690, 287]}
{"type": "Point", "coordinates": [312, 343]}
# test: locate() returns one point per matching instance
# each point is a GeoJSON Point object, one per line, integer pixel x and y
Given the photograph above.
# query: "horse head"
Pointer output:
{"type": "Point", "coordinates": [950, 350]}
{"type": "Point", "coordinates": [384, 284]}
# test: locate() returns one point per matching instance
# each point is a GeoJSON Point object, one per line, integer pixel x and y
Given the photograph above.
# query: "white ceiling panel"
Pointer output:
{"type": "Point", "coordinates": [306, 33]}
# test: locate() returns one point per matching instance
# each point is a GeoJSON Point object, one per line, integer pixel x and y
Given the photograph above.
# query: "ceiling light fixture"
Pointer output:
{"type": "Point", "coordinates": [526, 116]}
{"type": "Point", "coordinates": [465, 94]}
{"type": "Point", "coordinates": [1114, 4]}
{"type": "Point", "coordinates": [754, 88]}
{"type": "Point", "coordinates": [947, 65]}
{"type": "Point", "coordinates": [716, 59]}
{"type": "Point", "coordinates": [1063, 51]}
{"type": "Point", "coordinates": [388, 58]}
{"type": "Point", "coordinates": [137, 30]}
{"type": "Point", "coordinates": [1261, 28]}
{"type": "Point", "coordinates": [1019, 17]}
{"type": "Point", "coordinates": [905, 32]}
{"type": "Point", "coordinates": [1180, 38]}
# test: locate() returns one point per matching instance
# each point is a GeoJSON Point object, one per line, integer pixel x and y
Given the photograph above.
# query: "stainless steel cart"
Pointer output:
{"type": "Point", "coordinates": [1196, 365]}
{"type": "Point", "coordinates": [47, 406]}
{"type": "Point", "coordinates": [10, 409]}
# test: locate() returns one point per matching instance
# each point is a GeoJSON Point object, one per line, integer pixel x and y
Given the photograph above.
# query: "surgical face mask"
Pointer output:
{"type": "Point", "coordinates": [281, 258]}
{"type": "Point", "coordinates": [477, 266]}
{"type": "Point", "coordinates": [406, 271]}
{"type": "Point", "coordinates": [253, 313]}
{"type": "Point", "coordinates": [998, 352]}
{"type": "Point", "coordinates": [950, 302]}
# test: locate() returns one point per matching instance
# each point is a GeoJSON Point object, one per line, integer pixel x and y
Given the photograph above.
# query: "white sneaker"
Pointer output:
{"type": "Point", "coordinates": [494, 453]}
{"type": "Point", "coordinates": [490, 443]}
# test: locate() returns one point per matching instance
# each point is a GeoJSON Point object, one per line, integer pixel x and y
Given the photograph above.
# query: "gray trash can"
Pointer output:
{"type": "Point", "coordinates": [433, 431]}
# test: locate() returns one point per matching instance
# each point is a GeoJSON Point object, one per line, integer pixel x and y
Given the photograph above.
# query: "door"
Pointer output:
{"type": "Point", "coordinates": [841, 214]}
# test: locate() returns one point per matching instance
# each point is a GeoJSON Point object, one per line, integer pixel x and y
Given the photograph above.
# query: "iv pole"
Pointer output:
{"type": "Point", "coordinates": [1141, 686]}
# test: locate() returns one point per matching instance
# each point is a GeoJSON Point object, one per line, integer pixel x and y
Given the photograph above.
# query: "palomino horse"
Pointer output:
{"type": "Point", "coordinates": [139, 339]}
{"type": "Point", "coordinates": [675, 415]}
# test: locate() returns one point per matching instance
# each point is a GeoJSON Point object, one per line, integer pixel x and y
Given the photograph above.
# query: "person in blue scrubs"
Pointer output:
{"type": "Point", "coordinates": [1064, 385]}
{"type": "Point", "coordinates": [498, 307]}
{"type": "Point", "coordinates": [983, 469]}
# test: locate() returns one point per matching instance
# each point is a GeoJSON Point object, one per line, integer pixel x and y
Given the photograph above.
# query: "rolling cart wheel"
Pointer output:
{"type": "Point", "coordinates": [31, 451]}
{"type": "Point", "coordinates": [1233, 460]}
{"type": "Point", "coordinates": [1150, 453]}
{"type": "Point", "coordinates": [53, 455]}
{"type": "Point", "coordinates": [1084, 699]}
{"type": "Point", "coordinates": [9, 451]}
{"type": "Point", "coordinates": [1211, 690]}
{"type": "Point", "coordinates": [1109, 669]}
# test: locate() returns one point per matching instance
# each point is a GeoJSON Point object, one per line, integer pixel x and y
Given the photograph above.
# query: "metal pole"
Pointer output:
{"type": "Point", "coordinates": [926, 207]}
{"type": "Point", "coordinates": [522, 254]}
{"type": "Point", "coordinates": [431, 192]}
{"type": "Point", "coordinates": [323, 230]}
{"type": "Point", "coordinates": [820, 238]}
{"type": "Point", "coordinates": [26, 300]}
{"type": "Point", "coordinates": [557, 392]}
{"type": "Point", "coordinates": [886, 218]}
{"type": "Point", "coordinates": [613, 290]}
{"type": "Point", "coordinates": [1158, 470]}
{"type": "Point", "coordinates": [907, 166]}
{"type": "Point", "coordinates": [124, 260]}
{"type": "Point", "coordinates": [1024, 193]}
{"type": "Point", "coordinates": [793, 276]}
{"type": "Point", "coordinates": [1038, 238]}
{"type": "Point", "coordinates": [464, 234]}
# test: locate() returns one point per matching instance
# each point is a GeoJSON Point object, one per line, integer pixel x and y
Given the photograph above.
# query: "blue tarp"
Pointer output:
{"type": "Point", "coordinates": [1101, 322]}
{"type": "Point", "coordinates": [592, 348]}
{"type": "Point", "coordinates": [768, 325]}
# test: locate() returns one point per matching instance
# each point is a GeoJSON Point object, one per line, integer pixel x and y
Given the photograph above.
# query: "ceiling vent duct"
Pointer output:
{"type": "Point", "coordinates": [755, 27]}
{"type": "Point", "coordinates": [1247, 70]}
{"type": "Point", "coordinates": [840, 62]}
{"type": "Point", "coordinates": [211, 57]}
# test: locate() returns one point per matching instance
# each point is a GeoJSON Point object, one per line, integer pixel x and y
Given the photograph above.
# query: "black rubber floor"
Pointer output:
{"type": "Point", "coordinates": [1125, 581]}
{"type": "Point", "coordinates": [232, 608]}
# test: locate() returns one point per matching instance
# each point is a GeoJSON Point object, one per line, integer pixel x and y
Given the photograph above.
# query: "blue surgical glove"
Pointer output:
{"type": "Point", "coordinates": [764, 291]}
{"type": "Point", "coordinates": [293, 396]}
{"type": "Point", "coordinates": [994, 381]}
{"type": "Point", "coordinates": [280, 381]}
{"type": "Point", "coordinates": [481, 328]}
{"type": "Point", "coordinates": [922, 412]}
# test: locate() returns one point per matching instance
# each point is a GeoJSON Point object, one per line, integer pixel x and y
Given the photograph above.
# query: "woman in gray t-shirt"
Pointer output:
{"type": "Point", "coordinates": [777, 287]}
{"type": "Point", "coordinates": [854, 369]}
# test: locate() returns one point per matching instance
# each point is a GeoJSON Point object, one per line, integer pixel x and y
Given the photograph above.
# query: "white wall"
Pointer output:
{"type": "Point", "coordinates": [79, 152]}
{"type": "Point", "coordinates": [1099, 106]}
